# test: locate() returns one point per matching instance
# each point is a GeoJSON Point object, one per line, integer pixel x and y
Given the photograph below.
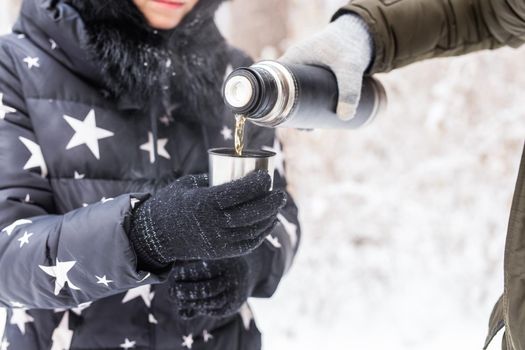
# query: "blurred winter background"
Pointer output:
{"type": "Point", "coordinates": [404, 222]}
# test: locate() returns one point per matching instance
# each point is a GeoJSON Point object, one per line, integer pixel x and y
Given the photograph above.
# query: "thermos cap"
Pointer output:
{"type": "Point", "coordinates": [252, 91]}
{"type": "Point", "coordinates": [238, 91]}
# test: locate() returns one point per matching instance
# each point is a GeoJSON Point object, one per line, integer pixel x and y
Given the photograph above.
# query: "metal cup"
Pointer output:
{"type": "Point", "coordinates": [226, 166]}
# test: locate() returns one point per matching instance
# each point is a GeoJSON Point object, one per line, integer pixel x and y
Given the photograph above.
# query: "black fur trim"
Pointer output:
{"type": "Point", "coordinates": [186, 64]}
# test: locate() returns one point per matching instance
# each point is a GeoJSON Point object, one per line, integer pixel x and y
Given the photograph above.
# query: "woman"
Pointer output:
{"type": "Point", "coordinates": [107, 108]}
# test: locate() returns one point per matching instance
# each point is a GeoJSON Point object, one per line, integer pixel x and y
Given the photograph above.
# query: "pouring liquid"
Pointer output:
{"type": "Point", "coordinates": [240, 122]}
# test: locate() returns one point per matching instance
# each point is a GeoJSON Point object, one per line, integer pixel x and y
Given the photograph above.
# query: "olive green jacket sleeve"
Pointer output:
{"type": "Point", "coordinates": [406, 31]}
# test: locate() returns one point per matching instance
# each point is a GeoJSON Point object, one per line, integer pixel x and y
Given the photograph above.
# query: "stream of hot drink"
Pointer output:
{"type": "Point", "coordinates": [240, 121]}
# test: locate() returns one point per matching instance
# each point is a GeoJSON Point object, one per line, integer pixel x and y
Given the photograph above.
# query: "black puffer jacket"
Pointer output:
{"type": "Point", "coordinates": [76, 155]}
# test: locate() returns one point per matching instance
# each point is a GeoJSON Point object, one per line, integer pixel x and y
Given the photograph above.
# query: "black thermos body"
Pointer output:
{"type": "Point", "coordinates": [273, 94]}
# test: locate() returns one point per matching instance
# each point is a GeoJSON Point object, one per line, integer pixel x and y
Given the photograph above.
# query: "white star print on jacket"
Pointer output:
{"type": "Point", "coordinates": [87, 133]}
{"type": "Point", "coordinates": [59, 271]}
{"type": "Point", "coordinates": [143, 292]}
{"type": "Point", "coordinates": [37, 159]}
{"type": "Point", "coordinates": [78, 176]}
{"type": "Point", "coordinates": [206, 336]}
{"type": "Point", "coordinates": [24, 239]}
{"type": "Point", "coordinates": [103, 280]}
{"type": "Point", "coordinates": [187, 341]}
{"type": "Point", "coordinates": [152, 319]}
{"type": "Point", "coordinates": [161, 148]}
{"type": "Point", "coordinates": [20, 317]}
{"type": "Point", "coordinates": [32, 62]}
{"type": "Point", "coordinates": [53, 44]}
{"type": "Point", "coordinates": [227, 133]}
{"type": "Point", "coordinates": [17, 304]}
{"type": "Point", "coordinates": [128, 344]}
{"type": "Point", "coordinates": [4, 109]}
{"type": "Point", "coordinates": [9, 229]}
{"type": "Point", "coordinates": [166, 120]}
{"type": "Point", "coordinates": [62, 335]}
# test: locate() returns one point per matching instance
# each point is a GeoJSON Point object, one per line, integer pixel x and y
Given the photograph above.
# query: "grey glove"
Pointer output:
{"type": "Point", "coordinates": [345, 47]}
{"type": "Point", "coordinates": [188, 220]}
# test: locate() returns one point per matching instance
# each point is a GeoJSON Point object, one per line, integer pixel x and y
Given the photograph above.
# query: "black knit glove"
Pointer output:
{"type": "Point", "coordinates": [188, 220]}
{"type": "Point", "coordinates": [216, 288]}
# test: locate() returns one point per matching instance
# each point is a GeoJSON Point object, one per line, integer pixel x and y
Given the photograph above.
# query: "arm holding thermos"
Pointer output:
{"type": "Point", "coordinates": [407, 31]}
{"type": "Point", "coordinates": [318, 84]}
{"type": "Point", "coordinates": [345, 46]}
{"type": "Point", "coordinates": [369, 36]}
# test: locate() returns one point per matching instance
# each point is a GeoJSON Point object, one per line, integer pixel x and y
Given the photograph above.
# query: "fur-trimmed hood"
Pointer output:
{"type": "Point", "coordinates": [110, 43]}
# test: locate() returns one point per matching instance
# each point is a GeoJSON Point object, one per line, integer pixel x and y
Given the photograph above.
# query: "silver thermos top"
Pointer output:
{"type": "Point", "coordinates": [272, 94]}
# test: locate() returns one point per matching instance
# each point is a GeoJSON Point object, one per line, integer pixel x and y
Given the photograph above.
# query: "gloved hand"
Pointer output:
{"type": "Point", "coordinates": [345, 47]}
{"type": "Point", "coordinates": [216, 288]}
{"type": "Point", "coordinates": [188, 220]}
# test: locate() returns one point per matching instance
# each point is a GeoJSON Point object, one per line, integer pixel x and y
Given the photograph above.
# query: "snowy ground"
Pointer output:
{"type": "Point", "coordinates": [404, 222]}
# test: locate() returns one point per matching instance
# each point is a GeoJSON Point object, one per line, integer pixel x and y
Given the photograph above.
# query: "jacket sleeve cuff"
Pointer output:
{"type": "Point", "coordinates": [379, 64]}
{"type": "Point", "coordinates": [96, 238]}
{"type": "Point", "coordinates": [140, 234]}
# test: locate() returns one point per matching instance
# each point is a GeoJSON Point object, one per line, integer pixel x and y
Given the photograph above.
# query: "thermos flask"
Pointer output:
{"type": "Point", "coordinates": [273, 94]}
